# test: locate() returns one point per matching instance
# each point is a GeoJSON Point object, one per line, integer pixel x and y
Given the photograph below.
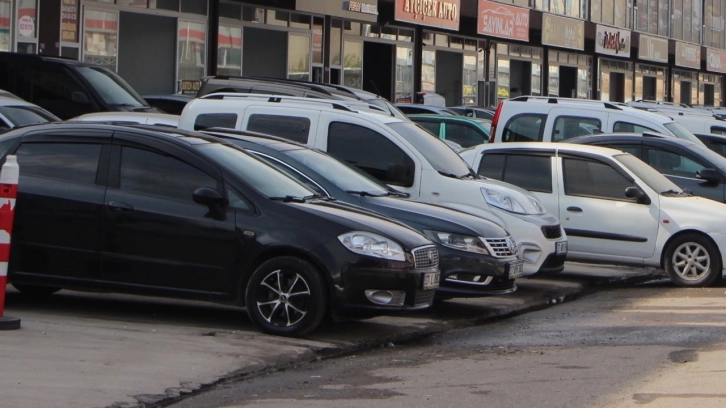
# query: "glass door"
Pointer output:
{"type": "Point", "coordinates": [191, 55]}
{"type": "Point", "coordinates": [298, 57]}
{"type": "Point", "coordinates": [353, 64]}
{"type": "Point", "coordinates": [100, 38]}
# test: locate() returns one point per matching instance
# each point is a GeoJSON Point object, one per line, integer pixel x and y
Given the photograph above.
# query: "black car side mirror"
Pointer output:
{"type": "Point", "coordinates": [709, 175]}
{"type": "Point", "coordinates": [208, 196]}
{"type": "Point", "coordinates": [80, 97]}
{"type": "Point", "coordinates": [636, 193]}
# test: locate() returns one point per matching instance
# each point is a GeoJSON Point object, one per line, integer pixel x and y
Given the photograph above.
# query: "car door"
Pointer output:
{"type": "Point", "coordinates": [680, 167]}
{"type": "Point", "coordinates": [59, 210]}
{"type": "Point", "coordinates": [563, 124]}
{"type": "Point", "coordinates": [432, 125]}
{"type": "Point", "coordinates": [597, 217]}
{"type": "Point", "coordinates": [155, 234]}
{"type": "Point", "coordinates": [291, 123]}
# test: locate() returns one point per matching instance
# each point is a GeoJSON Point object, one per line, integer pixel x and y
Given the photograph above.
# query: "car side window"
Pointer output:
{"type": "Point", "coordinates": [673, 164]}
{"type": "Point", "coordinates": [718, 130]}
{"type": "Point", "coordinates": [594, 179]}
{"type": "Point", "coordinates": [236, 200]}
{"type": "Point", "coordinates": [70, 162]}
{"type": "Point", "coordinates": [410, 110]}
{"type": "Point", "coordinates": [294, 128]}
{"type": "Point", "coordinates": [150, 173]}
{"type": "Point", "coordinates": [625, 127]}
{"type": "Point", "coordinates": [433, 127]}
{"type": "Point", "coordinates": [525, 127]}
{"type": "Point", "coordinates": [464, 135]}
{"type": "Point", "coordinates": [5, 146]}
{"type": "Point", "coordinates": [210, 120]}
{"type": "Point", "coordinates": [371, 152]}
{"type": "Point", "coordinates": [492, 166]}
{"type": "Point", "coordinates": [717, 147]}
{"type": "Point", "coordinates": [634, 150]}
{"type": "Point", "coordinates": [567, 127]}
{"type": "Point", "coordinates": [533, 173]}
{"type": "Point", "coordinates": [291, 172]}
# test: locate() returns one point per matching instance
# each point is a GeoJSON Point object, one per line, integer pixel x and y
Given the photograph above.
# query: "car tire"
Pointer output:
{"type": "Point", "coordinates": [286, 296]}
{"type": "Point", "coordinates": [692, 260]}
{"type": "Point", "coordinates": [35, 290]}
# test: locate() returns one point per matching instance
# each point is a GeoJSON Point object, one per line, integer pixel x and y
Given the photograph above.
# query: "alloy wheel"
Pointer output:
{"type": "Point", "coordinates": [691, 261]}
{"type": "Point", "coordinates": [282, 298]}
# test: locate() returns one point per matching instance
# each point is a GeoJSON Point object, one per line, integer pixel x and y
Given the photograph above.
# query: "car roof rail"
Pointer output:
{"type": "Point", "coordinates": [654, 135]}
{"type": "Point", "coordinates": [310, 85]}
{"type": "Point", "coordinates": [277, 99]}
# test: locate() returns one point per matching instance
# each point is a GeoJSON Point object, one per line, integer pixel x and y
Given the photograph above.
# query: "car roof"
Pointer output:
{"type": "Point", "coordinates": [657, 137]}
{"type": "Point", "coordinates": [557, 146]}
{"type": "Point", "coordinates": [273, 142]}
{"type": "Point", "coordinates": [171, 97]}
{"type": "Point", "coordinates": [39, 58]}
{"type": "Point", "coordinates": [6, 100]}
{"type": "Point", "coordinates": [478, 121]}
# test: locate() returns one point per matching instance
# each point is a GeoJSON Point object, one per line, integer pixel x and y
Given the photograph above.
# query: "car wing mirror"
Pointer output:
{"type": "Point", "coordinates": [80, 97]}
{"type": "Point", "coordinates": [208, 196]}
{"type": "Point", "coordinates": [709, 175]}
{"type": "Point", "coordinates": [637, 194]}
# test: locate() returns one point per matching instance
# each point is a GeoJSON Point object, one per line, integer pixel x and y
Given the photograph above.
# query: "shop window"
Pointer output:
{"type": "Point", "coordinates": [389, 33]}
{"type": "Point", "coordinates": [353, 64]}
{"type": "Point", "coordinates": [172, 5]}
{"type": "Point", "coordinates": [428, 71]}
{"type": "Point", "coordinates": [253, 14]}
{"type": "Point", "coordinates": [133, 3]}
{"type": "Point", "coordinates": [404, 75]}
{"type": "Point", "coordinates": [27, 26]}
{"type": "Point", "coordinates": [318, 40]}
{"type": "Point", "coordinates": [625, 127]}
{"type": "Point", "coordinates": [300, 21]}
{"type": "Point", "coordinates": [405, 34]}
{"type": "Point", "coordinates": [278, 18]}
{"type": "Point", "coordinates": [351, 27]}
{"type": "Point", "coordinates": [371, 152]}
{"type": "Point", "coordinates": [298, 57]}
{"type": "Point", "coordinates": [191, 49]}
{"type": "Point", "coordinates": [673, 164]}
{"type": "Point", "coordinates": [100, 31]}
{"type": "Point", "coordinates": [294, 128]}
{"type": "Point", "coordinates": [336, 35]}
{"type": "Point", "coordinates": [194, 7]}
{"type": "Point", "coordinates": [469, 80]}
{"type": "Point", "coordinates": [6, 12]}
{"type": "Point", "coordinates": [524, 128]}
{"type": "Point", "coordinates": [229, 51]}
{"type": "Point", "coordinates": [567, 127]}
{"type": "Point", "coordinates": [371, 30]}
{"type": "Point", "coordinates": [230, 10]}
{"type": "Point", "coordinates": [441, 40]}
{"type": "Point", "coordinates": [594, 179]}
{"type": "Point", "coordinates": [211, 120]}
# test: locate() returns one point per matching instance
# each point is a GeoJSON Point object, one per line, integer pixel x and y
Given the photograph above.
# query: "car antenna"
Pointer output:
{"type": "Point", "coordinates": [373, 84]}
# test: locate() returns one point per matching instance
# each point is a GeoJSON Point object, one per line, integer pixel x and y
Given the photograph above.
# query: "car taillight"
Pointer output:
{"type": "Point", "coordinates": [495, 121]}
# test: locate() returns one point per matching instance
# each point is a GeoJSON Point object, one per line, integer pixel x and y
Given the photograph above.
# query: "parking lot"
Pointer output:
{"type": "Point", "coordinates": [97, 350]}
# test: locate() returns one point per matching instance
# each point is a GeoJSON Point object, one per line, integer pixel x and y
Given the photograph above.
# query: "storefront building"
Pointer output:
{"type": "Point", "coordinates": [615, 72]}
{"type": "Point", "coordinates": [19, 26]}
{"type": "Point", "coordinates": [651, 76]}
{"type": "Point", "coordinates": [685, 81]}
{"type": "Point", "coordinates": [569, 70]}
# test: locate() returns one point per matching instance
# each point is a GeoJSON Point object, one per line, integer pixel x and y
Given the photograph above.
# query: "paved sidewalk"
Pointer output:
{"type": "Point", "coordinates": [88, 350]}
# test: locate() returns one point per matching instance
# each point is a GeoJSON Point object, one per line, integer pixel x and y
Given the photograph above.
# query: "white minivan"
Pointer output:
{"type": "Point", "coordinates": [550, 119]}
{"type": "Point", "coordinates": [614, 207]}
{"type": "Point", "coordinates": [397, 152]}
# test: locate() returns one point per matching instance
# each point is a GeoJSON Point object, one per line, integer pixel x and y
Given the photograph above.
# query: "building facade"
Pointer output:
{"type": "Point", "coordinates": [474, 52]}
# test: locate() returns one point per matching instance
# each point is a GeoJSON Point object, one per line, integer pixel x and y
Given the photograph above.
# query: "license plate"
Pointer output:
{"type": "Point", "coordinates": [516, 270]}
{"type": "Point", "coordinates": [561, 247]}
{"type": "Point", "coordinates": [431, 280]}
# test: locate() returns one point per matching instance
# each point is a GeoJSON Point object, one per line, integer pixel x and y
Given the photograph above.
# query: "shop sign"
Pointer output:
{"type": "Point", "coordinates": [26, 26]}
{"type": "Point", "coordinates": [612, 41]}
{"type": "Point", "coordinates": [69, 21]}
{"type": "Point", "coordinates": [359, 7]}
{"type": "Point", "coordinates": [715, 60]}
{"type": "Point", "coordinates": [432, 13]}
{"type": "Point", "coordinates": [499, 20]}
{"type": "Point", "coordinates": [563, 32]}
{"type": "Point", "coordinates": [688, 55]}
{"type": "Point", "coordinates": [362, 10]}
{"type": "Point", "coordinates": [190, 87]}
{"type": "Point", "coordinates": [653, 49]}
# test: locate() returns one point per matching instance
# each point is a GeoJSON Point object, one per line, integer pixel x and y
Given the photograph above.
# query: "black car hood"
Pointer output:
{"type": "Point", "coordinates": [434, 217]}
{"type": "Point", "coordinates": [359, 219]}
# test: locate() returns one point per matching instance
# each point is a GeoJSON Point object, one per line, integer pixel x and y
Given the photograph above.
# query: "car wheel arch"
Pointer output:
{"type": "Point", "coordinates": [277, 252]}
{"type": "Point", "coordinates": [679, 234]}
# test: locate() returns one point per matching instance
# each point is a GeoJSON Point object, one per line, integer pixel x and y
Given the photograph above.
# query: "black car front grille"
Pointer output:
{"type": "Point", "coordinates": [425, 257]}
{"type": "Point", "coordinates": [552, 231]}
{"type": "Point", "coordinates": [424, 297]}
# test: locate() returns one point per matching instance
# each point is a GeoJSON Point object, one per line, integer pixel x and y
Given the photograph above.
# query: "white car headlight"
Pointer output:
{"type": "Point", "coordinates": [457, 241]}
{"type": "Point", "coordinates": [367, 243]}
{"type": "Point", "coordinates": [501, 200]}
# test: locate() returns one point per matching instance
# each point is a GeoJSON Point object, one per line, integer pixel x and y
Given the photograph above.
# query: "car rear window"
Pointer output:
{"type": "Point", "coordinates": [210, 120]}
{"type": "Point", "coordinates": [525, 127]}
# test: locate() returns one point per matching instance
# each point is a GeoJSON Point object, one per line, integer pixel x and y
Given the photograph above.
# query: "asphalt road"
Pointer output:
{"type": "Point", "coordinates": [651, 345]}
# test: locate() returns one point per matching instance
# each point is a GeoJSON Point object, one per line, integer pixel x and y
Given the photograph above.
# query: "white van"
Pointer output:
{"type": "Point", "coordinates": [701, 123]}
{"type": "Point", "coordinates": [549, 119]}
{"type": "Point", "coordinates": [397, 152]}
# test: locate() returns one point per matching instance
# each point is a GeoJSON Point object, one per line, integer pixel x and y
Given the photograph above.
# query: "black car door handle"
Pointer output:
{"type": "Point", "coordinates": [574, 209]}
{"type": "Point", "coordinates": [119, 206]}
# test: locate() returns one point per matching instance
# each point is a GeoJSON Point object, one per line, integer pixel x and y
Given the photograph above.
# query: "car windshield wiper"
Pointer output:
{"type": "Point", "coordinates": [365, 193]}
{"type": "Point", "coordinates": [674, 192]}
{"type": "Point", "coordinates": [320, 197]}
{"type": "Point", "coordinates": [393, 192]}
{"type": "Point", "coordinates": [290, 199]}
{"type": "Point", "coordinates": [450, 175]}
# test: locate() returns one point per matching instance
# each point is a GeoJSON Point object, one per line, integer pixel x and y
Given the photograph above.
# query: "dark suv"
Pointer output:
{"type": "Point", "coordinates": [67, 88]}
{"type": "Point", "coordinates": [182, 214]}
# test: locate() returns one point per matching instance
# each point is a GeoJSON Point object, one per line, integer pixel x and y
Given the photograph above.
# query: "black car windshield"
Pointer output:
{"type": "Point", "coordinates": [112, 89]}
{"type": "Point", "coordinates": [26, 115]}
{"type": "Point", "coordinates": [681, 132]}
{"type": "Point", "coordinates": [649, 175]}
{"type": "Point", "coordinates": [343, 176]}
{"type": "Point", "coordinates": [441, 157]}
{"type": "Point", "coordinates": [257, 174]}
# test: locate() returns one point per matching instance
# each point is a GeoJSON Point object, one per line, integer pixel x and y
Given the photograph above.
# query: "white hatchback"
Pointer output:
{"type": "Point", "coordinates": [615, 208]}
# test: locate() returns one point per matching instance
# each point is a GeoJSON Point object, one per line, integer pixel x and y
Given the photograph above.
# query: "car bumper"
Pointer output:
{"type": "Point", "coordinates": [535, 248]}
{"type": "Point", "coordinates": [465, 274]}
{"type": "Point", "coordinates": [720, 240]}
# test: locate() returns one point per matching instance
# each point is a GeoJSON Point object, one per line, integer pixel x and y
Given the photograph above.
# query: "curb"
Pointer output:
{"type": "Point", "coordinates": [544, 300]}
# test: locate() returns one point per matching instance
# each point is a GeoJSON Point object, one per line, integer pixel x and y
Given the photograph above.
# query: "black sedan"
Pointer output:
{"type": "Point", "coordinates": [478, 257]}
{"type": "Point", "coordinates": [183, 214]}
{"type": "Point", "coordinates": [689, 165]}
{"type": "Point", "coordinates": [717, 143]}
